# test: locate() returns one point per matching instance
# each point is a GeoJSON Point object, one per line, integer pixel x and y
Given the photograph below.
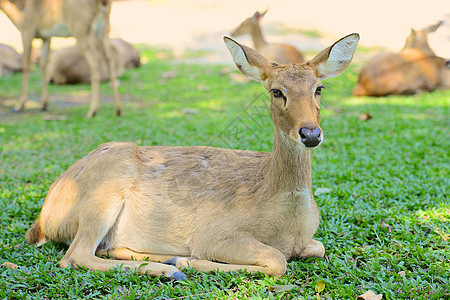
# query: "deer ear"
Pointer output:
{"type": "Point", "coordinates": [333, 60]}
{"type": "Point", "coordinates": [252, 64]}
{"type": "Point", "coordinates": [433, 28]}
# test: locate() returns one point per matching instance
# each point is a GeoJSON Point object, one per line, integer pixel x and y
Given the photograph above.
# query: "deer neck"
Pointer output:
{"type": "Point", "coordinates": [257, 36]}
{"type": "Point", "coordinates": [289, 167]}
{"type": "Point", "coordinates": [12, 11]}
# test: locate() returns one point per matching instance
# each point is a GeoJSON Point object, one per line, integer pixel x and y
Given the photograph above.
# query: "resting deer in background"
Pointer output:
{"type": "Point", "coordinates": [415, 69]}
{"type": "Point", "coordinates": [85, 20]}
{"type": "Point", "coordinates": [69, 66]}
{"type": "Point", "coordinates": [10, 60]}
{"type": "Point", "coordinates": [203, 207]}
{"type": "Point", "coordinates": [280, 53]}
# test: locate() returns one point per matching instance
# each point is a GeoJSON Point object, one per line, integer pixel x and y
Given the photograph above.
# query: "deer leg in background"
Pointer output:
{"type": "Point", "coordinates": [107, 53]}
{"type": "Point", "coordinates": [27, 39]}
{"type": "Point", "coordinates": [87, 47]}
{"type": "Point", "coordinates": [45, 78]}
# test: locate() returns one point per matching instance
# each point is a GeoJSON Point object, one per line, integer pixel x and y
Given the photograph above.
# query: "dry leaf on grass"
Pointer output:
{"type": "Point", "coordinates": [282, 288]}
{"type": "Point", "coordinates": [364, 116]}
{"type": "Point", "coordinates": [369, 295]}
{"type": "Point", "coordinates": [320, 286]}
{"type": "Point", "coordinates": [8, 265]}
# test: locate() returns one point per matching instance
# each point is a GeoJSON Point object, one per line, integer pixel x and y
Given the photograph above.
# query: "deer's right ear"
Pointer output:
{"type": "Point", "coordinates": [249, 62]}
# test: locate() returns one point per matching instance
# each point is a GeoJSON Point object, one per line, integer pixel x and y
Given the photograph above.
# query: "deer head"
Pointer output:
{"type": "Point", "coordinates": [295, 89]}
{"type": "Point", "coordinates": [418, 38]}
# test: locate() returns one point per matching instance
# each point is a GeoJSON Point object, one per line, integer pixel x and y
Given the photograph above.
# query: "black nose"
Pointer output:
{"type": "Point", "coordinates": [310, 138]}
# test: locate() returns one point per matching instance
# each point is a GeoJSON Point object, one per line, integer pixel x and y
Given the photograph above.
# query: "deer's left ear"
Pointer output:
{"type": "Point", "coordinates": [333, 60]}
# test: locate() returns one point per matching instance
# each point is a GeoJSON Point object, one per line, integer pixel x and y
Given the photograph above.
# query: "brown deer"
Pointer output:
{"type": "Point", "coordinates": [85, 20]}
{"type": "Point", "coordinates": [10, 60]}
{"type": "Point", "coordinates": [203, 207]}
{"type": "Point", "coordinates": [280, 53]}
{"type": "Point", "coordinates": [415, 69]}
{"type": "Point", "coordinates": [69, 66]}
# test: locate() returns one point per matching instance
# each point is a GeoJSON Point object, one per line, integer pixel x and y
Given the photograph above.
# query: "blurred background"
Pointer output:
{"type": "Point", "coordinates": [190, 25]}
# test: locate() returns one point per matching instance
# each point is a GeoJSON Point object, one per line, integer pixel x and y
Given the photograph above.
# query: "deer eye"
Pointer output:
{"type": "Point", "coordinates": [319, 90]}
{"type": "Point", "coordinates": [277, 93]}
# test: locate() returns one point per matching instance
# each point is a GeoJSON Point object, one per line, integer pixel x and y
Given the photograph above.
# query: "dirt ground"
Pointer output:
{"type": "Point", "coordinates": [200, 24]}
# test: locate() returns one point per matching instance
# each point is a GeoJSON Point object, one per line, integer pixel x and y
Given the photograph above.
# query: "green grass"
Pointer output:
{"type": "Point", "coordinates": [385, 223]}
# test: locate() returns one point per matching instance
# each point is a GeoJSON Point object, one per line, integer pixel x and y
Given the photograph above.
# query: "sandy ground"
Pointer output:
{"type": "Point", "coordinates": [200, 24]}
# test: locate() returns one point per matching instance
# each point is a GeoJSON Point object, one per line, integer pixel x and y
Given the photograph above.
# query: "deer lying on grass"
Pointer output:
{"type": "Point", "coordinates": [203, 207]}
{"type": "Point", "coordinates": [10, 60]}
{"type": "Point", "coordinates": [415, 69]}
{"type": "Point", "coordinates": [69, 66]}
{"type": "Point", "coordinates": [280, 53]}
{"type": "Point", "coordinates": [85, 20]}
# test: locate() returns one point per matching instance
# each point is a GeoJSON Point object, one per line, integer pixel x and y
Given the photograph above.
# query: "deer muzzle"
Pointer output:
{"type": "Point", "coordinates": [310, 137]}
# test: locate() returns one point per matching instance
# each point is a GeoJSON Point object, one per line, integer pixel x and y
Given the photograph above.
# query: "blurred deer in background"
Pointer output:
{"type": "Point", "coordinates": [415, 69]}
{"type": "Point", "coordinates": [10, 60]}
{"type": "Point", "coordinates": [85, 20]}
{"type": "Point", "coordinates": [220, 209]}
{"type": "Point", "coordinates": [69, 66]}
{"type": "Point", "coordinates": [280, 53]}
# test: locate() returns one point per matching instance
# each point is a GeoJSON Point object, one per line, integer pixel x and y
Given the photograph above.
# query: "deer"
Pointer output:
{"type": "Point", "coordinates": [10, 60]}
{"type": "Point", "coordinates": [280, 53]}
{"type": "Point", "coordinates": [69, 66]}
{"type": "Point", "coordinates": [86, 20]}
{"type": "Point", "coordinates": [201, 207]}
{"type": "Point", "coordinates": [415, 69]}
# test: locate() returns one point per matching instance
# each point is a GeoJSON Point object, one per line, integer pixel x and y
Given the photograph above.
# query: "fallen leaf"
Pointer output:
{"type": "Point", "coordinates": [369, 295]}
{"type": "Point", "coordinates": [402, 273]}
{"type": "Point", "coordinates": [386, 225]}
{"type": "Point", "coordinates": [321, 191]}
{"type": "Point", "coordinates": [320, 286]}
{"type": "Point", "coordinates": [9, 265]}
{"type": "Point", "coordinates": [364, 116]}
{"type": "Point", "coordinates": [282, 288]}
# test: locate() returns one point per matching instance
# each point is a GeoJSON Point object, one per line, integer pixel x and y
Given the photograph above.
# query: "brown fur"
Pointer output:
{"type": "Point", "coordinates": [280, 53]}
{"type": "Point", "coordinates": [415, 69]}
{"type": "Point", "coordinates": [250, 210]}
{"type": "Point", "coordinates": [69, 66]}
{"type": "Point", "coordinates": [85, 20]}
{"type": "Point", "coordinates": [10, 60]}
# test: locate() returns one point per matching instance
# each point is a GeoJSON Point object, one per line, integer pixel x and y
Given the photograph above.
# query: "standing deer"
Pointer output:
{"type": "Point", "coordinates": [415, 69]}
{"type": "Point", "coordinates": [85, 20]}
{"type": "Point", "coordinates": [280, 53]}
{"type": "Point", "coordinates": [10, 60]}
{"type": "Point", "coordinates": [203, 207]}
{"type": "Point", "coordinates": [69, 66]}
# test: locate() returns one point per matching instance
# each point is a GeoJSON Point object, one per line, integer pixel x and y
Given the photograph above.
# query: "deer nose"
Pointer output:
{"type": "Point", "coordinates": [310, 138]}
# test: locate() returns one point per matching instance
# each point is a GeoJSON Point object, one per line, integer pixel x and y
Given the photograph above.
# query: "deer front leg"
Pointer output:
{"type": "Point", "coordinates": [239, 252]}
{"type": "Point", "coordinates": [128, 254]}
{"type": "Point", "coordinates": [313, 249]}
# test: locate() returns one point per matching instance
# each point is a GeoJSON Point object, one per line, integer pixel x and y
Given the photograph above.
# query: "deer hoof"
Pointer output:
{"type": "Point", "coordinates": [177, 276]}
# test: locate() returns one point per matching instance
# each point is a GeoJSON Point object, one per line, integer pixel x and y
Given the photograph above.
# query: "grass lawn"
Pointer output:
{"type": "Point", "coordinates": [385, 218]}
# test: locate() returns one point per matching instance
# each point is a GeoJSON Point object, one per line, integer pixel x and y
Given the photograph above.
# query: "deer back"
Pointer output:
{"type": "Point", "coordinates": [413, 70]}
